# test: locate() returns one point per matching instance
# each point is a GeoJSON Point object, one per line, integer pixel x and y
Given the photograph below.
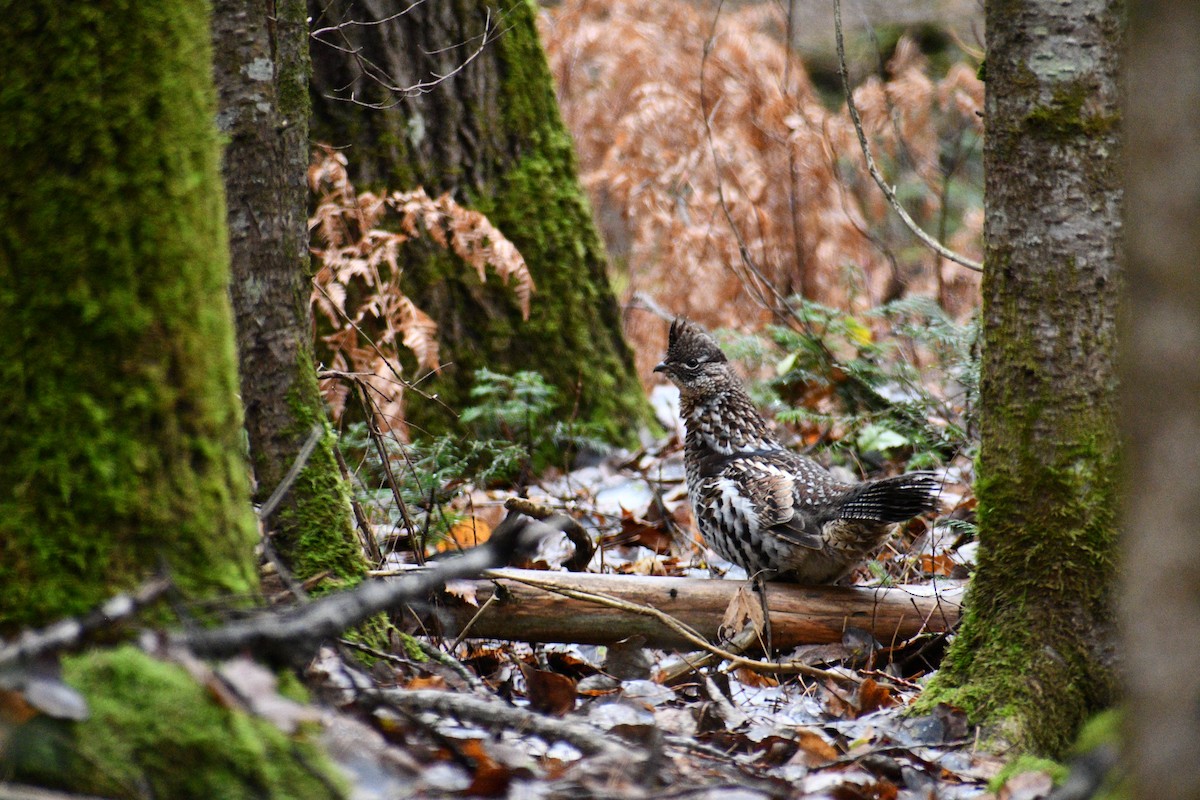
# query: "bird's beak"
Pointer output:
{"type": "Point", "coordinates": [661, 367]}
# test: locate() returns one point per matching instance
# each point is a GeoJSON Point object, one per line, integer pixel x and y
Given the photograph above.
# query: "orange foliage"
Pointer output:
{"type": "Point", "coordinates": [675, 145]}
{"type": "Point", "coordinates": [358, 259]}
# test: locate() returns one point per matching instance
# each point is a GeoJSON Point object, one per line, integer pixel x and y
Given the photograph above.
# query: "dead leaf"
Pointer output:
{"type": "Point", "coordinates": [756, 679]}
{"type": "Point", "coordinates": [14, 708]}
{"type": "Point", "coordinates": [490, 778]}
{"type": "Point", "coordinates": [646, 533]}
{"type": "Point", "coordinates": [465, 533]}
{"type": "Point", "coordinates": [744, 609]}
{"type": "Point", "coordinates": [872, 696]}
{"type": "Point", "coordinates": [548, 692]}
{"type": "Point", "coordinates": [627, 659]}
{"type": "Point", "coordinates": [464, 590]}
{"type": "Point", "coordinates": [878, 790]}
{"type": "Point", "coordinates": [814, 749]}
{"type": "Point", "coordinates": [1027, 786]}
{"type": "Point", "coordinates": [940, 564]}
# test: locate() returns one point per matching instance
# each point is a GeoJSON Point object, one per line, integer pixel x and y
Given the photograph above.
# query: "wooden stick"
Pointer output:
{"type": "Point", "coordinates": [527, 612]}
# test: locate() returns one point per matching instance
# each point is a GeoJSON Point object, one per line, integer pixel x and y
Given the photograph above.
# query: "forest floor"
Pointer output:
{"type": "Point", "coordinates": [498, 718]}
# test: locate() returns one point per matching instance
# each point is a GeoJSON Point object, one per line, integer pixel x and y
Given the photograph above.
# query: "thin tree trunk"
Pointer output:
{"type": "Point", "coordinates": [1161, 380]}
{"type": "Point", "coordinates": [261, 68]}
{"type": "Point", "coordinates": [490, 133]}
{"type": "Point", "coordinates": [1034, 657]}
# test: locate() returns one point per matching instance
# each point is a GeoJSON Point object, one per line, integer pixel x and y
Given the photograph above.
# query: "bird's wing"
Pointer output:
{"type": "Point", "coordinates": [772, 492]}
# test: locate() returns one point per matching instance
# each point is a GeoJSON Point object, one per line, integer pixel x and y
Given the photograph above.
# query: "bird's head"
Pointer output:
{"type": "Point", "coordinates": [694, 363]}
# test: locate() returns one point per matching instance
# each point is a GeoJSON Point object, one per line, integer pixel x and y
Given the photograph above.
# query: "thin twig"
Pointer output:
{"type": "Point", "coordinates": [369, 542]}
{"type": "Point", "coordinates": [368, 69]}
{"type": "Point", "coordinates": [466, 629]}
{"type": "Point", "coordinates": [418, 548]}
{"type": "Point", "coordinates": [494, 713]}
{"type": "Point", "coordinates": [888, 193]}
{"type": "Point", "coordinates": [310, 444]}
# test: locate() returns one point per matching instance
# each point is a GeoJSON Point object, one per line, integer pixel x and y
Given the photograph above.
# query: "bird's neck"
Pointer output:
{"type": "Point", "coordinates": [725, 422]}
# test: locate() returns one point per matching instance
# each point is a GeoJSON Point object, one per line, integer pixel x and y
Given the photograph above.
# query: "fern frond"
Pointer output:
{"type": "Point", "coordinates": [357, 289]}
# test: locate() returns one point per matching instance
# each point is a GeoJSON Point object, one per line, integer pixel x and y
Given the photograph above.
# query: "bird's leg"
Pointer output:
{"type": "Point", "coordinates": [759, 582]}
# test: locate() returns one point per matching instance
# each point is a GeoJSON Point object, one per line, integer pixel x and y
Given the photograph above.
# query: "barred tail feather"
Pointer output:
{"type": "Point", "coordinates": [891, 499]}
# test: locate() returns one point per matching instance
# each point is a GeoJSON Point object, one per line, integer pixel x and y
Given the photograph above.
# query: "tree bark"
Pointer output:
{"type": "Point", "coordinates": [1034, 657]}
{"type": "Point", "coordinates": [799, 614]}
{"type": "Point", "coordinates": [1161, 381]}
{"type": "Point", "coordinates": [120, 426]}
{"type": "Point", "coordinates": [261, 68]}
{"type": "Point", "coordinates": [490, 133]}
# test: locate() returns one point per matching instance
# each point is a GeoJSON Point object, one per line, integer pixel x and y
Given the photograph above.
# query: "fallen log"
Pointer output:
{"type": "Point", "coordinates": [523, 612]}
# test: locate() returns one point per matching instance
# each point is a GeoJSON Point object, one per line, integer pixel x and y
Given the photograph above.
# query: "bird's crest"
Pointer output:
{"type": "Point", "coordinates": [688, 342]}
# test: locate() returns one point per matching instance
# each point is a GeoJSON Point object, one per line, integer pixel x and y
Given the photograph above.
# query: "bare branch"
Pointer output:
{"type": "Point", "coordinates": [73, 633]}
{"type": "Point", "coordinates": [372, 71]}
{"type": "Point", "coordinates": [888, 192]}
{"type": "Point", "coordinates": [297, 632]}
{"type": "Point", "coordinates": [493, 713]}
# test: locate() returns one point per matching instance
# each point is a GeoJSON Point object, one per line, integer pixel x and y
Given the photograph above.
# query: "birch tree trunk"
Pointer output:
{"type": "Point", "coordinates": [1034, 657]}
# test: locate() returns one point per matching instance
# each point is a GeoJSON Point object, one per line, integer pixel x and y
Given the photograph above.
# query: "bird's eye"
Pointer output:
{"type": "Point", "coordinates": [692, 363]}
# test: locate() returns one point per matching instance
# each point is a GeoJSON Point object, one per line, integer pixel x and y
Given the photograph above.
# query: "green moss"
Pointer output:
{"type": "Point", "coordinates": [119, 419]}
{"type": "Point", "coordinates": [314, 524]}
{"type": "Point", "coordinates": [1102, 730]}
{"type": "Point", "coordinates": [412, 649]}
{"type": "Point", "coordinates": [292, 79]}
{"type": "Point", "coordinates": [522, 175]}
{"type": "Point", "coordinates": [1066, 116]}
{"type": "Point", "coordinates": [1027, 763]}
{"type": "Point", "coordinates": [1026, 663]}
{"type": "Point", "coordinates": [314, 527]}
{"type": "Point", "coordinates": [154, 732]}
{"type": "Point", "coordinates": [540, 201]}
{"type": "Point", "coordinates": [1016, 666]}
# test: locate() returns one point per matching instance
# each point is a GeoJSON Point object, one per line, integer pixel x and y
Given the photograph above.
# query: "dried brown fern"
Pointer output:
{"type": "Point", "coordinates": [683, 127]}
{"type": "Point", "coordinates": [358, 292]}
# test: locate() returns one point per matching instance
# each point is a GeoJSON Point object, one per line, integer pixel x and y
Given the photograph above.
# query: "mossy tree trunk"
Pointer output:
{"type": "Point", "coordinates": [261, 69]}
{"type": "Point", "coordinates": [491, 134]}
{"type": "Point", "coordinates": [1034, 656]}
{"type": "Point", "coordinates": [119, 422]}
{"type": "Point", "coordinates": [1160, 413]}
{"type": "Point", "coordinates": [121, 430]}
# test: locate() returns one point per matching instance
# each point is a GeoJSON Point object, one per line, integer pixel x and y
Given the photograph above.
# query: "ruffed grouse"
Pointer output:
{"type": "Point", "coordinates": [769, 510]}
